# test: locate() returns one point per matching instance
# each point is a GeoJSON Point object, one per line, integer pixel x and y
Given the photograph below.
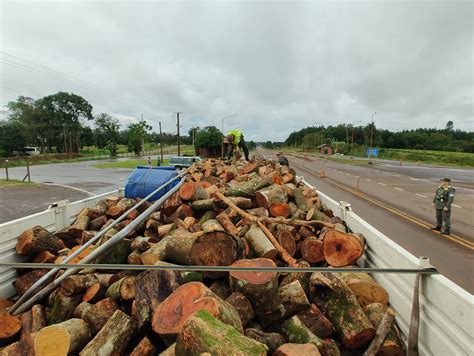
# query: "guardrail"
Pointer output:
{"type": "Point", "coordinates": [57, 216]}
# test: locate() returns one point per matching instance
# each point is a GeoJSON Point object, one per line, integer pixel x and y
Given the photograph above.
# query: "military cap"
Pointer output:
{"type": "Point", "coordinates": [446, 180]}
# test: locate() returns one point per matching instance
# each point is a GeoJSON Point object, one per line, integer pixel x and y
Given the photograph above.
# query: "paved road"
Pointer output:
{"type": "Point", "coordinates": [453, 260]}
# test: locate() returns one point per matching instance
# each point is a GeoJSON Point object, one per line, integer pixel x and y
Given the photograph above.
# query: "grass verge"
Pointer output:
{"type": "Point", "coordinates": [17, 183]}
{"type": "Point", "coordinates": [132, 163]}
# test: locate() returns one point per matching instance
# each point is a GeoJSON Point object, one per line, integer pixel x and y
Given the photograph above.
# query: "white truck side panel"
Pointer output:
{"type": "Point", "coordinates": [56, 217]}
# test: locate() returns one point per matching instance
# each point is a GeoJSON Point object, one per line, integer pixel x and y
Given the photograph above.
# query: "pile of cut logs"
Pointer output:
{"type": "Point", "coordinates": [243, 215]}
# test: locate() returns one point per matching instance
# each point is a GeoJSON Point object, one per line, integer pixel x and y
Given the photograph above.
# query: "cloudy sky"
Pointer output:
{"type": "Point", "coordinates": [280, 66]}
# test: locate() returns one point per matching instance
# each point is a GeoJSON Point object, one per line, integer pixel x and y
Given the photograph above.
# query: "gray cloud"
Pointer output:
{"type": "Point", "coordinates": [280, 66]}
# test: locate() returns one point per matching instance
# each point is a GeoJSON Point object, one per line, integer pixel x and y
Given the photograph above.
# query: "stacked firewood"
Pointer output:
{"type": "Point", "coordinates": [242, 215]}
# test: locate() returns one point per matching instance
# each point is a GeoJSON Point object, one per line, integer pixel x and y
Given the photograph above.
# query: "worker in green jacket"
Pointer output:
{"type": "Point", "coordinates": [235, 138]}
{"type": "Point", "coordinates": [442, 202]}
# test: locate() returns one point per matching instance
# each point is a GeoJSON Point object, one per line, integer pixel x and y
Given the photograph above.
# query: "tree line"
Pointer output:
{"type": "Point", "coordinates": [61, 123]}
{"type": "Point", "coordinates": [447, 139]}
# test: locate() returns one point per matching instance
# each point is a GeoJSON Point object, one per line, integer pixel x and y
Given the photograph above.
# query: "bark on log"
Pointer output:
{"type": "Point", "coordinates": [32, 321]}
{"type": "Point", "coordinates": [315, 214]}
{"type": "Point", "coordinates": [80, 225]}
{"type": "Point", "coordinates": [272, 194]}
{"type": "Point", "coordinates": [100, 312]}
{"type": "Point", "coordinates": [221, 288]}
{"type": "Point", "coordinates": [272, 340]}
{"type": "Point", "coordinates": [217, 248]}
{"type": "Point", "coordinates": [170, 316]}
{"type": "Point", "coordinates": [341, 249]}
{"type": "Point", "coordinates": [243, 307]}
{"type": "Point", "coordinates": [366, 289]}
{"type": "Point", "coordinates": [123, 205]}
{"type": "Point", "coordinates": [113, 338]}
{"type": "Point", "coordinates": [297, 332]}
{"type": "Point", "coordinates": [151, 289]}
{"type": "Point", "coordinates": [156, 253]}
{"type": "Point", "coordinates": [227, 223]}
{"type": "Point", "coordinates": [81, 310]}
{"type": "Point", "coordinates": [316, 322]}
{"type": "Point", "coordinates": [203, 205]}
{"type": "Point", "coordinates": [21, 347]}
{"type": "Point", "coordinates": [261, 288]}
{"type": "Point", "coordinates": [60, 307]}
{"type": "Point", "coordinates": [300, 200]}
{"type": "Point", "coordinates": [290, 349]}
{"type": "Point", "coordinates": [202, 332]}
{"type": "Point", "coordinates": [178, 247]}
{"type": "Point", "coordinates": [145, 348]}
{"type": "Point", "coordinates": [243, 203]}
{"type": "Point", "coordinates": [171, 204]}
{"type": "Point", "coordinates": [140, 244]}
{"type": "Point", "coordinates": [123, 289]}
{"type": "Point", "coordinates": [117, 254]}
{"type": "Point", "coordinates": [98, 210]}
{"type": "Point", "coordinates": [302, 277]}
{"type": "Point", "coordinates": [35, 240]}
{"type": "Point", "coordinates": [77, 283]}
{"type": "Point", "coordinates": [68, 337]}
{"type": "Point", "coordinates": [287, 241]}
{"type": "Point", "coordinates": [211, 225]}
{"type": "Point", "coordinates": [191, 192]}
{"type": "Point", "coordinates": [339, 304]}
{"type": "Point", "coordinates": [312, 250]}
{"type": "Point", "coordinates": [393, 344]}
{"type": "Point", "coordinates": [260, 244]}
{"type": "Point", "coordinates": [25, 281]}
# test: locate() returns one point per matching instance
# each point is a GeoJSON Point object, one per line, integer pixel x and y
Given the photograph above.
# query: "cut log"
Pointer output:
{"type": "Point", "coordinates": [155, 253]}
{"type": "Point", "coordinates": [211, 225]}
{"type": "Point", "coordinates": [145, 348]}
{"type": "Point", "coordinates": [81, 310]}
{"type": "Point", "coordinates": [45, 257]}
{"type": "Point", "coordinates": [123, 289]}
{"type": "Point", "coordinates": [203, 332]}
{"type": "Point", "coordinates": [243, 307]}
{"type": "Point", "coordinates": [341, 249]}
{"type": "Point", "coordinates": [98, 210]}
{"type": "Point", "coordinates": [302, 277]}
{"type": "Point", "coordinates": [316, 322]}
{"type": "Point", "coordinates": [260, 244]}
{"type": "Point", "coordinates": [365, 288]}
{"type": "Point", "coordinates": [217, 248]}
{"type": "Point", "coordinates": [77, 283]}
{"type": "Point", "coordinates": [134, 258]}
{"type": "Point", "coordinates": [80, 256]}
{"type": "Point", "coordinates": [80, 225]}
{"type": "Point", "coordinates": [178, 247]}
{"type": "Point", "coordinates": [241, 202]}
{"type": "Point", "coordinates": [68, 337]}
{"type": "Point", "coordinates": [151, 289]}
{"type": "Point", "coordinates": [272, 194]}
{"type": "Point", "coordinates": [393, 344]}
{"type": "Point", "coordinates": [171, 204]}
{"type": "Point", "coordinates": [227, 223]}
{"type": "Point", "coordinates": [261, 288]}
{"type": "Point", "coordinates": [305, 232]}
{"type": "Point", "coordinates": [280, 209]}
{"type": "Point", "coordinates": [5, 305]}
{"type": "Point", "coordinates": [203, 205]}
{"type": "Point", "coordinates": [260, 211]}
{"type": "Point", "coordinates": [191, 192]}
{"type": "Point", "coordinates": [100, 312]}
{"type": "Point", "coordinates": [117, 210]}
{"type": "Point", "coordinates": [97, 223]}
{"type": "Point", "coordinates": [170, 316]}
{"type": "Point", "coordinates": [315, 214]}
{"type": "Point", "coordinates": [292, 299]}
{"type": "Point", "coordinates": [221, 288]}
{"type": "Point", "coordinates": [287, 241]}
{"type": "Point", "coordinates": [94, 293]}
{"type": "Point", "coordinates": [9, 327]}
{"type": "Point", "coordinates": [35, 240]}
{"type": "Point", "coordinates": [312, 250]}
{"type": "Point", "coordinates": [300, 199]}
{"type": "Point", "coordinates": [297, 350]}
{"type": "Point", "coordinates": [297, 332]}
{"type": "Point", "coordinates": [140, 244]}
{"type": "Point", "coordinates": [21, 347]}
{"type": "Point", "coordinates": [85, 237]}
{"type": "Point", "coordinates": [25, 281]}
{"type": "Point", "coordinates": [117, 254]}
{"type": "Point", "coordinates": [272, 340]}
{"type": "Point", "coordinates": [32, 321]}
{"type": "Point", "coordinates": [60, 307]}
{"type": "Point", "coordinates": [249, 168]}
{"type": "Point", "coordinates": [339, 304]}
{"type": "Point", "coordinates": [113, 338]}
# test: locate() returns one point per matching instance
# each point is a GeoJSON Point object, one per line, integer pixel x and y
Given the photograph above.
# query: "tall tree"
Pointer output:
{"type": "Point", "coordinates": [208, 137]}
{"type": "Point", "coordinates": [137, 135]}
{"type": "Point", "coordinates": [108, 130]}
{"type": "Point", "coordinates": [12, 137]}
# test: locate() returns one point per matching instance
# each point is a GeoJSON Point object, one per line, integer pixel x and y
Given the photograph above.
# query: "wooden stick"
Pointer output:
{"type": "Point", "coordinates": [381, 333]}
{"type": "Point", "coordinates": [284, 255]}
{"type": "Point", "coordinates": [234, 207]}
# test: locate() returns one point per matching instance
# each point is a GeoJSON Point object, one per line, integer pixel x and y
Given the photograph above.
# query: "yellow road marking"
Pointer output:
{"type": "Point", "coordinates": [459, 240]}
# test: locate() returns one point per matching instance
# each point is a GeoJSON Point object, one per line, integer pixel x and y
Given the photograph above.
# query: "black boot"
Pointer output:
{"type": "Point", "coordinates": [436, 228]}
{"type": "Point", "coordinates": [446, 232]}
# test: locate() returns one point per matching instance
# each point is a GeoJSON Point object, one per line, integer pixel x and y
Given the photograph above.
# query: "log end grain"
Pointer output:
{"type": "Point", "coordinates": [251, 276]}
{"type": "Point", "coordinates": [9, 326]}
{"type": "Point", "coordinates": [297, 350]}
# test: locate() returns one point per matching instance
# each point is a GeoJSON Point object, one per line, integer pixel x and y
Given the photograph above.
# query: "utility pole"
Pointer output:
{"type": "Point", "coordinates": [161, 144]}
{"type": "Point", "coordinates": [352, 143]}
{"type": "Point", "coordinates": [177, 125]}
{"type": "Point", "coordinates": [372, 130]}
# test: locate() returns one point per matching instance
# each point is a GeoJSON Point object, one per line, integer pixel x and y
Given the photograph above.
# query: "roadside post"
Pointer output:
{"type": "Point", "coordinates": [28, 169]}
{"type": "Point", "coordinates": [6, 168]}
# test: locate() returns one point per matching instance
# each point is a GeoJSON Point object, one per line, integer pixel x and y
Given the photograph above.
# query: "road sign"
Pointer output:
{"type": "Point", "coordinates": [372, 152]}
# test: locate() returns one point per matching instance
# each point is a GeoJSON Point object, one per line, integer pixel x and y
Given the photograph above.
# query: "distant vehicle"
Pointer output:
{"type": "Point", "coordinates": [183, 162]}
{"type": "Point", "coordinates": [27, 151]}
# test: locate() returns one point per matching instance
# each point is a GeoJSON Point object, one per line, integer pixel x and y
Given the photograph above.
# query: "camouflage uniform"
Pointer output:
{"type": "Point", "coordinates": [444, 197]}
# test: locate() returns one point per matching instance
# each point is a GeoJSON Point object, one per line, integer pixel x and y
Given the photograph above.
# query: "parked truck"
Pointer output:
{"type": "Point", "coordinates": [446, 310]}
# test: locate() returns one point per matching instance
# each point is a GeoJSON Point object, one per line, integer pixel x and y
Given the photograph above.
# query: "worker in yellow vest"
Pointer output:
{"type": "Point", "coordinates": [235, 138]}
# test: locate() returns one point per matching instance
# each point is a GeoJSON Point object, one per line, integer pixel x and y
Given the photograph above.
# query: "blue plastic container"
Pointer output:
{"type": "Point", "coordinates": [145, 180]}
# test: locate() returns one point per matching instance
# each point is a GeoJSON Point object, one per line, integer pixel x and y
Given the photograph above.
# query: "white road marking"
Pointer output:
{"type": "Point", "coordinates": [456, 206]}
{"type": "Point", "coordinates": [369, 180]}
{"type": "Point", "coordinates": [348, 174]}
{"type": "Point", "coordinates": [357, 177]}
{"type": "Point", "coordinates": [68, 186]}
{"type": "Point", "coordinates": [421, 195]}
{"type": "Point", "coordinates": [381, 183]}
{"type": "Point", "coordinates": [122, 178]}
{"type": "Point", "coordinates": [414, 178]}
{"type": "Point", "coordinates": [399, 189]}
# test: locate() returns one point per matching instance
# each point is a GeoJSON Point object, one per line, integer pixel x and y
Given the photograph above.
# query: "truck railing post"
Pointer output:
{"type": "Point", "coordinates": [344, 207]}
{"type": "Point", "coordinates": [61, 214]}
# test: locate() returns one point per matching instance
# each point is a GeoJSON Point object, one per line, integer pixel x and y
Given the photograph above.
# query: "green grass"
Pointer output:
{"type": "Point", "coordinates": [17, 183]}
{"type": "Point", "coordinates": [444, 158]}
{"type": "Point", "coordinates": [132, 163]}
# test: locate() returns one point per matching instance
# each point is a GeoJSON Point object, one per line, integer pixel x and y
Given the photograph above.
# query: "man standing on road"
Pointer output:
{"type": "Point", "coordinates": [282, 159]}
{"type": "Point", "coordinates": [442, 201]}
{"type": "Point", "coordinates": [235, 138]}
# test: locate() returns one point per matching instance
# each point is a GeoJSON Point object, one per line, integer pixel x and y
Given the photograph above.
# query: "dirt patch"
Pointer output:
{"type": "Point", "coordinates": [20, 201]}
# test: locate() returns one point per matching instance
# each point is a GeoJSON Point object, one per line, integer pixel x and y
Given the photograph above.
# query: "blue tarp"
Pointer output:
{"type": "Point", "coordinates": [145, 180]}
